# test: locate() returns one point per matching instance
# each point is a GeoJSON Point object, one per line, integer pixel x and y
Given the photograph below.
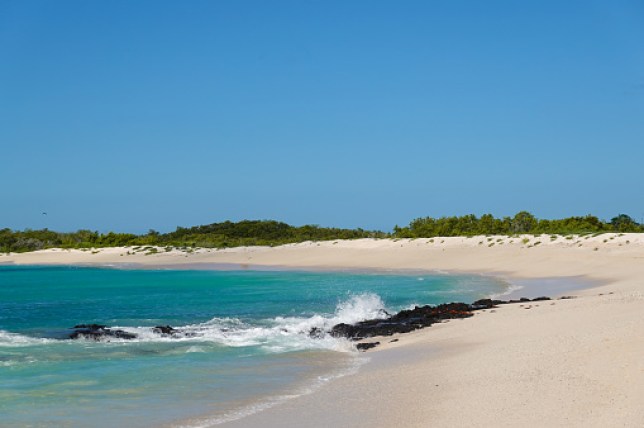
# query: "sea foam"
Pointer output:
{"type": "Point", "coordinates": [8, 339]}
{"type": "Point", "coordinates": [279, 334]}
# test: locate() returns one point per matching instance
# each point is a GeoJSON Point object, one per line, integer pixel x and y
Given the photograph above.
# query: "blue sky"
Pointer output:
{"type": "Point", "coordinates": [128, 115]}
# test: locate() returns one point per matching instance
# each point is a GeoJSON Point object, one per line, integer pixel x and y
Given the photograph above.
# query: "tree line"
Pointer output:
{"type": "Point", "coordinates": [522, 223]}
{"type": "Point", "coordinates": [216, 235]}
{"type": "Point", "coordinates": [269, 232]}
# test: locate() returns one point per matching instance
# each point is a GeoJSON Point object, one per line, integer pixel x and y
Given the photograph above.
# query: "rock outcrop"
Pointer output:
{"type": "Point", "coordinates": [99, 332]}
{"type": "Point", "coordinates": [413, 319]}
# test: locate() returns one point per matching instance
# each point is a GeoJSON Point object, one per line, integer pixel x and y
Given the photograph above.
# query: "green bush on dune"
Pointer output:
{"type": "Point", "coordinates": [216, 235]}
{"type": "Point", "coordinates": [522, 223]}
{"type": "Point", "coordinates": [269, 232]}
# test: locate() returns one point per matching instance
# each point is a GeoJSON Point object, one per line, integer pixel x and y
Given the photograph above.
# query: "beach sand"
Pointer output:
{"type": "Point", "coordinates": [561, 363]}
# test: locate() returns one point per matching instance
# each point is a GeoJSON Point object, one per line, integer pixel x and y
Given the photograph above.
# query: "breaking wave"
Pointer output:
{"type": "Point", "coordinates": [279, 334]}
{"type": "Point", "coordinates": [8, 339]}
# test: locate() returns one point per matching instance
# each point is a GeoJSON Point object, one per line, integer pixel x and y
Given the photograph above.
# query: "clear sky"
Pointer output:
{"type": "Point", "coordinates": [130, 115]}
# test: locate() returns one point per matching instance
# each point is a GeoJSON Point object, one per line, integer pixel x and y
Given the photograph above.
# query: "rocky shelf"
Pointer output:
{"type": "Point", "coordinates": [414, 319]}
{"type": "Point", "coordinates": [403, 322]}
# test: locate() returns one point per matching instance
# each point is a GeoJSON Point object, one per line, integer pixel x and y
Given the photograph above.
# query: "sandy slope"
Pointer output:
{"type": "Point", "coordinates": [576, 362]}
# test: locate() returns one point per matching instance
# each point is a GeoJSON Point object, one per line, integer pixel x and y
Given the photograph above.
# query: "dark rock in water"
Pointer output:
{"type": "Point", "coordinates": [402, 322]}
{"type": "Point", "coordinates": [343, 330]}
{"type": "Point", "coordinates": [99, 332]}
{"type": "Point", "coordinates": [316, 332]}
{"type": "Point", "coordinates": [413, 319]}
{"type": "Point", "coordinates": [90, 326]}
{"type": "Point", "coordinates": [368, 345]}
{"type": "Point", "coordinates": [164, 329]}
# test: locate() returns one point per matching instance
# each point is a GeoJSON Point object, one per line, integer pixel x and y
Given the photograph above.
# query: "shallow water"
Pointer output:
{"type": "Point", "coordinates": [247, 348]}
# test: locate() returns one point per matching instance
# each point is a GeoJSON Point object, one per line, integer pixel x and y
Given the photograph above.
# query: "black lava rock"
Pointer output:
{"type": "Point", "coordinates": [413, 319]}
{"type": "Point", "coordinates": [99, 332]}
{"type": "Point", "coordinates": [165, 330]}
{"type": "Point", "coordinates": [368, 345]}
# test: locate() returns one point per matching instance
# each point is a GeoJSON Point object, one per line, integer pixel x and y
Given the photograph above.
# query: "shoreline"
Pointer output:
{"type": "Point", "coordinates": [569, 362]}
{"type": "Point", "coordinates": [517, 286]}
{"type": "Point", "coordinates": [462, 255]}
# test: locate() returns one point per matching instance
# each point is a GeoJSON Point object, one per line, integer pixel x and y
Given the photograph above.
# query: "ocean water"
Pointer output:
{"type": "Point", "coordinates": [247, 344]}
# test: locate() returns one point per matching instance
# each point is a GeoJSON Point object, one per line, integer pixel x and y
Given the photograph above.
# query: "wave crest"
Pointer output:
{"type": "Point", "coordinates": [8, 339]}
{"type": "Point", "coordinates": [279, 334]}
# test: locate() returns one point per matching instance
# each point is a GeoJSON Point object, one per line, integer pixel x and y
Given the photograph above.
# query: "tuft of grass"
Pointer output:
{"type": "Point", "coordinates": [525, 240]}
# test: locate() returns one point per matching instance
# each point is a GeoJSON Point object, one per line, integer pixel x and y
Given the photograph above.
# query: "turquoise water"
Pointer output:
{"type": "Point", "coordinates": [247, 343]}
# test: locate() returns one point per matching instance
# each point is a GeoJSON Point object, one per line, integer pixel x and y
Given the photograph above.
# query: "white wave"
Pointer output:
{"type": "Point", "coordinates": [360, 308]}
{"type": "Point", "coordinates": [279, 334]}
{"type": "Point", "coordinates": [8, 339]}
{"type": "Point", "coordinates": [413, 306]}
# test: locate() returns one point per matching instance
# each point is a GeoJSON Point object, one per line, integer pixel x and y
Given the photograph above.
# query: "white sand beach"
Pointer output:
{"type": "Point", "coordinates": [575, 362]}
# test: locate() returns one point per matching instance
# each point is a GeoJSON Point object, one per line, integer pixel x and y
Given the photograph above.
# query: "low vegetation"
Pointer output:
{"type": "Point", "coordinates": [521, 223]}
{"type": "Point", "coordinates": [268, 232]}
{"type": "Point", "coordinates": [216, 235]}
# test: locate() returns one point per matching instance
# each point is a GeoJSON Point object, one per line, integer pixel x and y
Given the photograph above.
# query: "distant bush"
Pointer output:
{"type": "Point", "coordinates": [272, 233]}
{"type": "Point", "coordinates": [522, 223]}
